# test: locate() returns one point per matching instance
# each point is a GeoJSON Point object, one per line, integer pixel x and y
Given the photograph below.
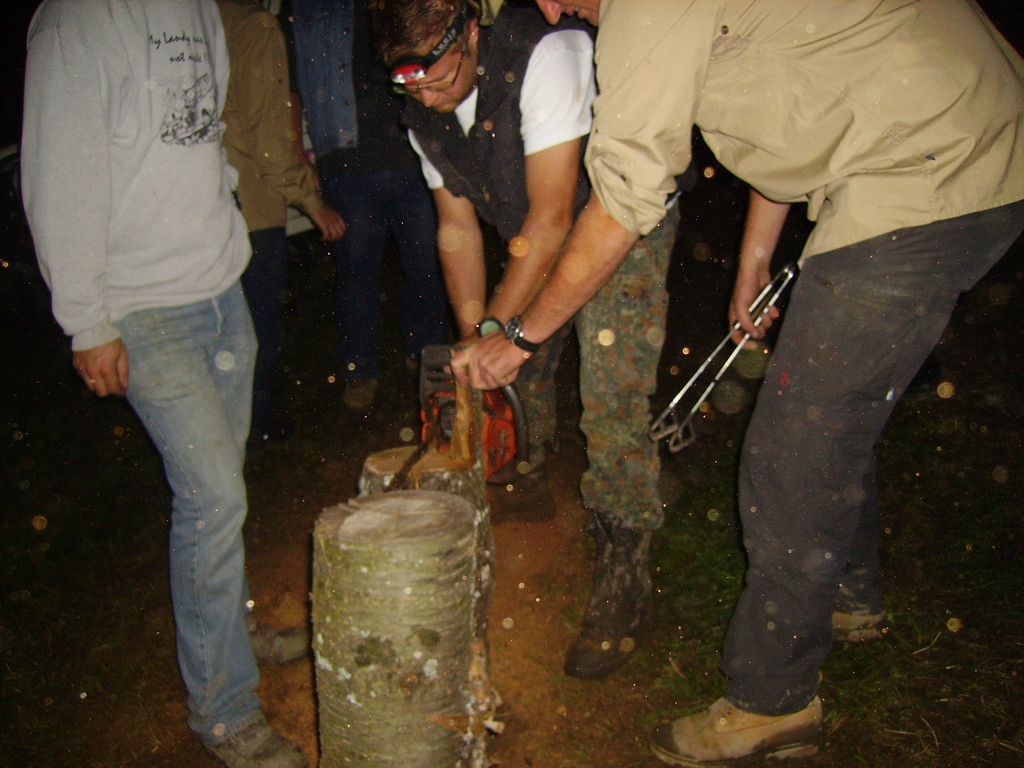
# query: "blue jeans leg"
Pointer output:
{"type": "Point", "coordinates": [414, 224]}
{"type": "Point", "coordinates": [370, 203]}
{"type": "Point", "coordinates": [190, 380]}
{"type": "Point", "coordinates": [264, 282]}
{"type": "Point", "coordinates": [861, 321]}
{"type": "Point", "coordinates": [358, 255]}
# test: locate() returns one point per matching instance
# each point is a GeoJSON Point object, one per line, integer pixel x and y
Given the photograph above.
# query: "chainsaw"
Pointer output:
{"type": "Point", "coordinates": [504, 435]}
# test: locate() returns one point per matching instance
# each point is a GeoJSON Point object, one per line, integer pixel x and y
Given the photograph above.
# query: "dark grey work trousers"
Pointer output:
{"type": "Point", "coordinates": [861, 321]}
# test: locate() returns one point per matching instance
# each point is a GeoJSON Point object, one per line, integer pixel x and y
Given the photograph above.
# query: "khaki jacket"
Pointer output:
{"type": "Point", "coordinates": [259, 136]}
{"type": "Point", "coordinates": [879, 114]}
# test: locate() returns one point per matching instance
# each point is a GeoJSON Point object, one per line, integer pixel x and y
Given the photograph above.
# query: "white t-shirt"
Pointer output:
{"type": "Point", "coordinates": [555, 103]}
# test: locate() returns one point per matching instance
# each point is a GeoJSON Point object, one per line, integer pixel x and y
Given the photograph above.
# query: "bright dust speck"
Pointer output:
{"type": "Point", "coordinates": [954, 625]}
{"type": "Point", "coordinates": [331, 379]}
{"type": "Point", "coordinates": [945, 390]}
{"type": "Point", "coordinates": [39, 522]}
{"type": "Point", "coordinates": [406, 434]}
{"type": "Point", "coordinates": [519, 246]}
{"type": "Point", "coordinates": [507, 623]}
{"type": "Point", "coordinates": [674, 370]}
{"type": "Point", "coordinates": [713, 514]}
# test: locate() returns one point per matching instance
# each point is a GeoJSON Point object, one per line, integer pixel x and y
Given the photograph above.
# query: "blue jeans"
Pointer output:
{"type": "Point", "coordinates": [861, 321]}
{"type": "Point", "coordinates": [370, 203]}
{"type": "Point", "coordinates": [190, 381]}
{"type": "Point", "coordinates": [264, 282]}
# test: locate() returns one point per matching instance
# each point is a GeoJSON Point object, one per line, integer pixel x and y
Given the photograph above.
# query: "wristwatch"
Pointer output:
{"type": "Point", "coordinates": [489, 325]}
{"type": "Point", "coordinates": [514, 333]}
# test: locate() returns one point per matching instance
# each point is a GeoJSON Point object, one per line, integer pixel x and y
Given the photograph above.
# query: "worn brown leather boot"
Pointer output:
{"type": "Point", "coordinates": [620, 600]}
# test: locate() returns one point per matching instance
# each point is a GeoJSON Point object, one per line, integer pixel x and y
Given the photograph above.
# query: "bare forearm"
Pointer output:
{"type": "Point", "coordinates": [531, 259]}
{"type": "Point", "coordinates": [551, 176]}
{"type": "Point", "coordinates": [595, 249]}
{"type": "Point", "coordinates": [460, 249]}
{"type": "Point", "coordinates": [765, 220]}
{"type": "Point", "coordinates": [465, 281]}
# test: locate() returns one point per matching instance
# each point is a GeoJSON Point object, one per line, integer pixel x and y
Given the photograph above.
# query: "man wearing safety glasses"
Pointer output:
{"type": "Point", "coordinates": [901, 126]}
{"type": "Point", "coordinates": [499, 115]}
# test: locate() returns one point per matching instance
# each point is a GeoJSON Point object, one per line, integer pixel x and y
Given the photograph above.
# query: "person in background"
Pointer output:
{"type": "Point", "coordinates": [260, 143]}
{"type": "Point", "coordinates": [901, 125]}
{"type": "Point", "coordinates": [370, 174]}
{"type": "Point", "coordinates": [500, 115]}
{"type": "Point", "coordinates": [128, 196]}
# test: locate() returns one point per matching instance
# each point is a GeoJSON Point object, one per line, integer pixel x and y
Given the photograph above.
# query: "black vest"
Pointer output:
{"type": "Point", "coordinates": [488, 166]}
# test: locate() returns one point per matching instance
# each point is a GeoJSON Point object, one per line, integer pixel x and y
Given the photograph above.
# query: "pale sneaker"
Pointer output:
{"type": "Point", "coordinates": [858, 627]}
{"type": "Point", "coordinates": [725, 735]}
{"type": "Point", "coordinates": [259, 746]}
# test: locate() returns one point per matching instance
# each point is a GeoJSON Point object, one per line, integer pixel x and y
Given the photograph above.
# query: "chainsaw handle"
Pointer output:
{"type": "Point", "coordinates": [522, 434]}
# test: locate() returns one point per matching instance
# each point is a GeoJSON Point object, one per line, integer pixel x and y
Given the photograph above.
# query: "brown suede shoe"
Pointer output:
{"type": "Point", "coordinates": [724, 735]}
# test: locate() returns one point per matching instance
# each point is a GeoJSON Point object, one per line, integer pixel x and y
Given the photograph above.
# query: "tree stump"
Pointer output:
{"type": "Point", "coordinates": [392, 608]}
{"type": "Point", "coordinates": [452, 472]}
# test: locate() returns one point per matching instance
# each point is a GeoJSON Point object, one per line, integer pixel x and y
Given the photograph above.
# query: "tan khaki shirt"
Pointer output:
{"type": "Point", "coordinates": [258, 137]}
{"type": "Point", "coordinates": [879, 114]}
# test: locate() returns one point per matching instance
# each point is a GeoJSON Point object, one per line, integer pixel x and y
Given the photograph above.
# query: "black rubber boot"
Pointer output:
{"type": "Point", "coordinates": [620, 602]}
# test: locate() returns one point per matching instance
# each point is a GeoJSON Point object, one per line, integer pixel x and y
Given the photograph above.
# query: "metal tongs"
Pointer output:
{"type": "Point", "coordinates": [682, 432]}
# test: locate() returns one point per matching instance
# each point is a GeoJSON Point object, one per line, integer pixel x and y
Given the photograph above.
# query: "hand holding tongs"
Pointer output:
{"type": "Point", "coordinates": [668, 422]}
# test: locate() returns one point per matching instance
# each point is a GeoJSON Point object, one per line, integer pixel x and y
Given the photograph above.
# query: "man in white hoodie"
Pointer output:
{"type": "Point", "coordinates": [129, 199]}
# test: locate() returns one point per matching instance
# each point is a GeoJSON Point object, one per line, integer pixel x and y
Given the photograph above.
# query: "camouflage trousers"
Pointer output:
{"type": "Point", "coordinates": [621, 331]}
{"type": "Point", "coordinates": [536, 386]}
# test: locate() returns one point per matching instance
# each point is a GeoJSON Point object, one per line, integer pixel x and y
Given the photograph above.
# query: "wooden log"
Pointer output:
{"type": "Point", "coordinates": [393, 626]}
{"type": "Point", "coordinates": [458, 468]}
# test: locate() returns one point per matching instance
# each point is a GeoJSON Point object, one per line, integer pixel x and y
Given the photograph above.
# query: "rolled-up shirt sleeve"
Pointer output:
{"type": "Point", "coordinates": [652, 59]}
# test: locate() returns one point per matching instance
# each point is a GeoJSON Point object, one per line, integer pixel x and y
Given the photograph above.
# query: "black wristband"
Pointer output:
{"type": "Point", "coordinates": [488, 326]}
{"type": "Point", "coordinates": [514, 333]}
